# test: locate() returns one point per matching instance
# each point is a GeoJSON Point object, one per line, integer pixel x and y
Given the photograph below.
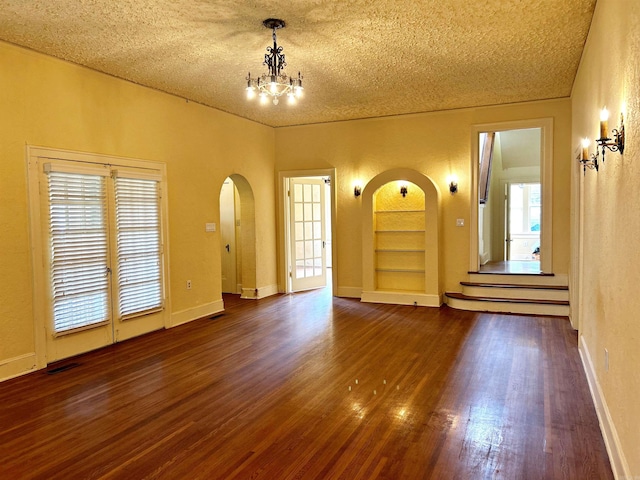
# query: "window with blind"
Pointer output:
{"type": "Point", "coordinates": [83, 244]}
{"type": "Point", "coordinates": [138, 245]}
{"type": "Point", "coordinates": [79, 250]}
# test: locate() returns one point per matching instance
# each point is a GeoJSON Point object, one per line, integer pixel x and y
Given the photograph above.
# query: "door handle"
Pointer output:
{"type": "Point", "coordinates": [228, 248]}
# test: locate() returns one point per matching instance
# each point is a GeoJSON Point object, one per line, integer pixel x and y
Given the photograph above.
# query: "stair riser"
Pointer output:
{"type": "Point", "coordinates": [518, 279]}
{"type": "Point", "coordinates": [504, 307]}
{"type": "Point", "coordinates": [529, 293]}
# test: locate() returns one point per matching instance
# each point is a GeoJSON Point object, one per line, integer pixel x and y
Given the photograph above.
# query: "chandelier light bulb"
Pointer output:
{"type": "Point", "coordinates": [274, 83]}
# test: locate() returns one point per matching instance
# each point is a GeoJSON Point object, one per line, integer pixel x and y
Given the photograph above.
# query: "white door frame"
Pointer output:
{"type": "Point", "coordinates": [284, 285]}
{"type": "Point", "coordinates": [546, 180]}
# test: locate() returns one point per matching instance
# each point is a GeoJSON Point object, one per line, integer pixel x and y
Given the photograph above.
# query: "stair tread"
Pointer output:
{"type": "Point", "coordinates": [514, 285]}
{"type": "Point", "coordinates": [524, 274]}
{"type": "Point", "coordinates": [462, 296]}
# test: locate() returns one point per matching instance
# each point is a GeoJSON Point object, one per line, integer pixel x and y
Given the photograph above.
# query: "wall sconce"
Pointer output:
{"type": "Point", "coordinates": [357, 190]}
{"type": "Point", "coordinates": [587, 161]}
{"type": "Point", "coordinates": [453, 184]}
{"type": "Point", "coordinates": [617, 145]}
{"type": "Point", "coordinates": [403, 190]}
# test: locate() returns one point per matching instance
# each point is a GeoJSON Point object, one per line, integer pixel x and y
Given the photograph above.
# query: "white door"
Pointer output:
{"type": "Point", "coordinates": [103, 254]}
{"type": "Point", "coordinates": [523, 221]}
{"type": "Point", "coordinates": [228, 236]}
{"type": "Point", "coordinates": [307, 233]}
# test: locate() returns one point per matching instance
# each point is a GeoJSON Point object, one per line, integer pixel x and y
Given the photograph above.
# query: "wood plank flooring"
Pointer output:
{"type": "Point", "coordinates": [308, 386]}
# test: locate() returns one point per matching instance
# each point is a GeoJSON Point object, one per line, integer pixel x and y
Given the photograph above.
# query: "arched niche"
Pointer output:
{"type": "Point", "coordinates": [247, 235]}
{"type": "Point", "coordinates": [429, 292]}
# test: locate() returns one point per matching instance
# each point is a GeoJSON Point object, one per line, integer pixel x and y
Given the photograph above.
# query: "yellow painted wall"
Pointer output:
{"type": "Point", "coordinates": [435, 144]}
{"type": "Point", "coordinates": [607, 315]}
{"type": "Point", "coordinates": [51, 103]}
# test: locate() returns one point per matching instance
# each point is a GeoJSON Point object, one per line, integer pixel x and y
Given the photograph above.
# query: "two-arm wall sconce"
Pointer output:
{"type": "Point", "coordinates": [357, 191]}
{"type": "Point", "coordinates": [615, 144]}
{"type": "Point", "coordinates": [403, 190]}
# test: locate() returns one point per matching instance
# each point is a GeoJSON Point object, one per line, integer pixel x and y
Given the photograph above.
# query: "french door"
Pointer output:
{"type": "Point", "coordinates": [523, 221]}
{"type": "Point", "coordinates": [307, 233]}
{"type": "Point", "coordinates": [103, 256]}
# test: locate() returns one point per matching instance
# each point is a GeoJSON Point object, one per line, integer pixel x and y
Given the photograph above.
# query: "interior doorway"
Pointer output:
{"type": "Point", "coordinates": [239, 268]}
{"type": "Point", "coordinates": [511, 235]}
{"type": "Point", "coordinates": [230, 225]}
{"type": "Point", "coordinates": [308, 208]}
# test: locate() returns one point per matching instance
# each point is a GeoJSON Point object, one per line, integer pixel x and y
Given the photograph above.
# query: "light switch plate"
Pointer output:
{"type": "Point", "coordinates": [210, 227]}
{"type": "Point", "coordinates": [460, 222]}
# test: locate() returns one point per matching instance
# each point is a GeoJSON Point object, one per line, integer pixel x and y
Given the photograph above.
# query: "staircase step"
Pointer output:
{"type": "Point", "coordinates": [518, 279]}
{"type": "Point", "coordinates": [513, 285]}
{"type": "Point", "coordinates": [508, 305]}
{"type": "Point", "coordinates": [513, 291]}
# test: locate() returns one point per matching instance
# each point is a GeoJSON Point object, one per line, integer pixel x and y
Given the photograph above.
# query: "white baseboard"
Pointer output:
{"type": "Point", "coordinates": [267, 291]}
{"type": "Point", "coordinates": [16, 366]}
{"type": "Point", "coordinates": [185, 316]}
{"type": "Point", "coordinates": [619, 464]}
{"type": "Point", "coordinates": [402, 298]}
{"type": "Point", "coordinates": [348, 292]}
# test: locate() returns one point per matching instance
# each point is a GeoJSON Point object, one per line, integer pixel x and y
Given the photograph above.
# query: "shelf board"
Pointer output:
{"type": "Point", "coordinates": [397, 250]}
{"type": "Point", "coordinates": [400, 231]}
{"type": "Point", "coordinates": [399, 211]}
{"type": "Point", "coordinates": [398, 270]}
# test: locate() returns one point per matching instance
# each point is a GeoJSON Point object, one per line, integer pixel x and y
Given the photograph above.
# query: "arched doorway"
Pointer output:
{"type": "Point", "coordinates": [238, 237]}
{"type": "Point", "coordinates": [401, 259]}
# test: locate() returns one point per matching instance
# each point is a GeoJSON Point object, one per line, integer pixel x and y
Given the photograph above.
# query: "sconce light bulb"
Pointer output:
{"type": "Point", "coordinates": [604, 114]}
{"type": "Point", "coordinates": [585, 142]}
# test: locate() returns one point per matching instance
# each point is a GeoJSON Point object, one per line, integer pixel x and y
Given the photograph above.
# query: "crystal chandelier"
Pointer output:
{"type": "Point", "coordinates": [274, 84]}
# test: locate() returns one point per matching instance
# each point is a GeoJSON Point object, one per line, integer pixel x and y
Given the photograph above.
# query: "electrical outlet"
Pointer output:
{"type": "Point", "coordinates": [606, 360]}
{"type": "Point", "coordinates": [188, 284]}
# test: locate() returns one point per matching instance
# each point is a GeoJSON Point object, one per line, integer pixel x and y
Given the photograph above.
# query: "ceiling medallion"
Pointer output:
{"type": "Point", "coordinates": [274, 83]}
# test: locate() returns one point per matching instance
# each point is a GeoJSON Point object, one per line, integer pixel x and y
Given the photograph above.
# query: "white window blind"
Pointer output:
{"type": "Point", "coordinates": [138, 245]}
{"type": "Point", "coordinates": [79, 250]}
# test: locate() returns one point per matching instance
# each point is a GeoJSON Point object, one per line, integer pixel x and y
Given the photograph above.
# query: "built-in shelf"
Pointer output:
{"type": "Point", "coordinates": [399, 249]}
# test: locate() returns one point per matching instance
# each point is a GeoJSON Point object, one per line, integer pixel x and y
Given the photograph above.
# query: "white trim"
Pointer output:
{"type": "Point", "coordinates": [349, 292]}
{"type": "Point", "coordinates": [249, 293]}
{"type": "Point", "coordinates": [17, 366]}
{"type": "Point", "coordinates": [546, 181]}
{"type": "Point", "coordinates": [402, 298]}
{"type": "Point", "coordinates": [190, 314]}
{"type": "Point", "coordinates": [619, 464]}
{"type": "Point", "coordinates": [267, 291]}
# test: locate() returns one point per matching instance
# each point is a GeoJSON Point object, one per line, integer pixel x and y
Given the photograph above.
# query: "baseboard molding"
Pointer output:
{"type": "Point", "coordinates": [348, 292]}
{"type": "Point", "coordinates": [17, 366]}
{"type": "Point", "coordinates": [619, 465]}
{"type": "Point", "coordinates": [260, 292]}
{"type": "Point", "coordinates": [186, 316]}
{"type": "Point", "coordinates": [402, 298]}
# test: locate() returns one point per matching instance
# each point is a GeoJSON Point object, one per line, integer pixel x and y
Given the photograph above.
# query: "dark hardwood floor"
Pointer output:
{"type": "Point", "coordinates": [313, 387]}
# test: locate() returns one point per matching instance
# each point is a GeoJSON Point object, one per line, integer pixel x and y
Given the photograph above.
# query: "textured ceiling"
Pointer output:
{"type": "Point", "coordinates": [359, 58]}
